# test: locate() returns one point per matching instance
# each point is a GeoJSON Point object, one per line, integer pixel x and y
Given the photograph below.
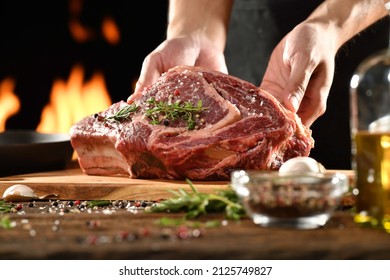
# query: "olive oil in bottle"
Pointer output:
{"type": "Point", "coordinates": [372, 165]}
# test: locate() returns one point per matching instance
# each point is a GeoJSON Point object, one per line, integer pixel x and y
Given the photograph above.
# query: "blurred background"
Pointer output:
{"type": "Point", "coordinates": [65, 59]}
{"type": "Point", "coordinates": [72, 56]}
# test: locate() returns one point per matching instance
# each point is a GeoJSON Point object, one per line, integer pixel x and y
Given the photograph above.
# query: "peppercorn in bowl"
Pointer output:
{"type": "Point", "coordinates": [302, 200]}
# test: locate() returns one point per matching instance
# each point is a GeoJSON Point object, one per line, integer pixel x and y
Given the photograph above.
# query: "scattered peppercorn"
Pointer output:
{"type": "Point", "coordinates": [18, 207]}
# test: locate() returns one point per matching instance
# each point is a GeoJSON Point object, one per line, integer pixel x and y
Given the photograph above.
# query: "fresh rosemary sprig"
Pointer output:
{"type": "Point", "coordinates": [196, 204]}
{"type": "Point", "coordinates": [5, 207]}
{"type": "Point", "coordinates": [164, 111]}
{"type": "Point", "coordinates": [123, 114]}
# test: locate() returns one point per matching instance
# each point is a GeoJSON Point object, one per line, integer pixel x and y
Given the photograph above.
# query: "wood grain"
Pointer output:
{"type": "Point", "coordinates": [69, 235]}
{"type": "Point", "coordinates": [72, 184]}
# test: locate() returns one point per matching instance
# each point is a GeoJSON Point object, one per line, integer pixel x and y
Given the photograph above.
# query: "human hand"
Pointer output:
{"type": "Point", "coordinates": [194, 50]}
{"type": "Point", "coordinates": [300, 71]}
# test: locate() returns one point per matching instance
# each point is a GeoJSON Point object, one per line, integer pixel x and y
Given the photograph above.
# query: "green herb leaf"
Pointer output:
{"type": "Point", "coordinates": [5, 207]}
{"type": "Point", "coordinates": [6, 223]}
{"type": "Point", "coordinates": [195, 204]}
{"type": "Point", "coordinates": [162, 111]}
{"type": "Point", "coordinates": [98, 203]}
{"type": "Point", "coordinates": [123, 114]}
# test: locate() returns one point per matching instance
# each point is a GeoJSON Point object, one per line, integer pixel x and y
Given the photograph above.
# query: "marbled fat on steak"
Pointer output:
{"type": "Point", "coordinates": [238, 126]}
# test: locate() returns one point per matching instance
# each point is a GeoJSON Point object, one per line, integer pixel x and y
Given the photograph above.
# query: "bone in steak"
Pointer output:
{"type": "Point", "coordinates": [238, 126]}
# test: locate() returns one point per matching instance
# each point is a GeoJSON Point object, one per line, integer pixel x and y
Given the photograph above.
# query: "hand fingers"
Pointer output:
{"type": "Point", "coordinates": [307, 90]}
{"type": "Point", "coordinates": [150, 71]}
{"type": "Point", "coordinates": [313, 105]}
{"type": "Point", "coordinates": [301, 71]}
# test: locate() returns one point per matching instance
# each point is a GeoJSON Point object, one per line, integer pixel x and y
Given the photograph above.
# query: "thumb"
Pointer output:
{"type": "Point", "coordinates": [144, 80]}
{"type": "Point", "coordinates": [150, 72]}
{"type": "Point", "coordinates": [148, 76]}
{"type": "Point", "coordinates": [293, 100]}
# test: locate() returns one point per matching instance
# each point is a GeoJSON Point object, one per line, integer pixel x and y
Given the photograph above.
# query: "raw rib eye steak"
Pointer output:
{"type": "Point", "coordinates": [192, 123]}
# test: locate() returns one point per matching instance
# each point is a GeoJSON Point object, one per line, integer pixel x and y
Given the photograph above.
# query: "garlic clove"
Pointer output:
{"type": "Point", "coordinates": [301, 165]}
{"type": "Point", "coordinates": [19, 193]}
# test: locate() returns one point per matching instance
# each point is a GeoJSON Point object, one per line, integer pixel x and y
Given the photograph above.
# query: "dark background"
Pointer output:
{"type": "Point", "coordinates": [36, 48]}
{"type": "Point", "coordinates": [258, 25]}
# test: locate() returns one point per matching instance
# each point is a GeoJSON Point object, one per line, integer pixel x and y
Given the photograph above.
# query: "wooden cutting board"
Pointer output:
{"type": "Point", "coordinates": [72, 184]}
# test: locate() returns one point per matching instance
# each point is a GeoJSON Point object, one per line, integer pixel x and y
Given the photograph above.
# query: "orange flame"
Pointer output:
{"type": "Point", "coordinates": [82, 33]}
{"type": "Point", "coordinates": [79, 32]}
{"type": "Point", "coordinates": [73, 100]}
{"type": "Point", "coordinates": [9, 102]}
{"type": "Point", "coordinates": [110, 31]}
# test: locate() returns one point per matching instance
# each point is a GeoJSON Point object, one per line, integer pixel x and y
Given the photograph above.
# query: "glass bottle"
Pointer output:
{"type": "Point", "coordinates": [370, 136]}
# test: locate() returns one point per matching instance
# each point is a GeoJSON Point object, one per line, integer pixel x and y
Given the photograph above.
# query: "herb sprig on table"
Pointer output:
{"type": "Point", "coordinates": [5, 207]}
{"type": "Point", "coordinates": [6, 223]}
{"type": "Point", "coordinates": [161, 111]}
{"type": "Point", "coordinates": [195, 204]}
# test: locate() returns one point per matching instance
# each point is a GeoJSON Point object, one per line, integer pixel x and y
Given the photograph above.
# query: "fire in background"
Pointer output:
{"type": "Point", "coordinates": [46, 44]}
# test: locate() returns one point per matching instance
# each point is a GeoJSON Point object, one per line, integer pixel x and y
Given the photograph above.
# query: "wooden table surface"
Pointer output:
{"type": "Point", "coordinates": [56, 229]}
{"type": "Point", "coordinates": [45, 231]}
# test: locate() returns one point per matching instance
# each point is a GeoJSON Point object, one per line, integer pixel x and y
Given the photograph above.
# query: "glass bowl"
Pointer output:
{"type": "Point", "coordinates": [303, 201]}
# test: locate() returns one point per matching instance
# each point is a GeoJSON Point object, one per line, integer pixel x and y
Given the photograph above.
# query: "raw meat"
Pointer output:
{"type": "Point", "coordinates": [236, 126]}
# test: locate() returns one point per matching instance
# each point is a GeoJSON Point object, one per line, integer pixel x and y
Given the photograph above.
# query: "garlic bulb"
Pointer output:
{"type": "Point", "coordinates": [19, 193]}
{"type": "Point", "coordinates": [301, 165]}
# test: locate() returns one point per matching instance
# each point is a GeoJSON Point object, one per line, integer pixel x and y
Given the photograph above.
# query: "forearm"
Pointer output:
{"type": "Point", "coordinates": [207, 17]}
{"type": "Point", "coordinates": [346, 18]}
